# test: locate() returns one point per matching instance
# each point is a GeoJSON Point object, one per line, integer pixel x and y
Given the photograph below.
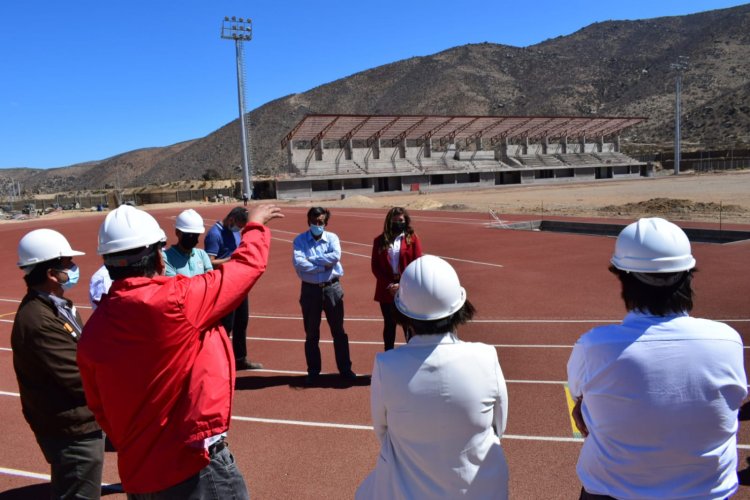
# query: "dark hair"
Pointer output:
{"type": "Point", "coordinates": [239, 214]}
{"type": "Point", "coordinates": [388, 235]}
{"type": "Point", "coordinates": [316, 212]}
{"type": "Point", "coordinates": [38, 275]}
{"type": "Point", "coordinates": [145, 266]}
{"type": "Point", "coordinates": [451, 323]}
{"type": "Point", "coordinates": [657, 300]}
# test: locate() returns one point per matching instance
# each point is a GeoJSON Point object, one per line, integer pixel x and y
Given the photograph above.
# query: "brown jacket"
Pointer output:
{"type": "Point", "coordinates": [44, 358]}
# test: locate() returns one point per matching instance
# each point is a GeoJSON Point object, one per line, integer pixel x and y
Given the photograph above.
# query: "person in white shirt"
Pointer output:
{"type": "Point", "coordinates": [657, 396]}
{"type": "Point", "coordinates": [439, 405]}
{"type": "Point", "coordinates": [99, 285]}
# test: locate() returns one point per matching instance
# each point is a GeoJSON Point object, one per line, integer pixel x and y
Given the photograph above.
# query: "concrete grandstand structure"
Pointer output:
{"type": "Point", "coordinates": [330, 155]}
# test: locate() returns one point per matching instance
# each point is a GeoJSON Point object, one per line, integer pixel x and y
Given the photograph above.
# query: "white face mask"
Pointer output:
{"type": "Point", "coordinates": [74, 273]}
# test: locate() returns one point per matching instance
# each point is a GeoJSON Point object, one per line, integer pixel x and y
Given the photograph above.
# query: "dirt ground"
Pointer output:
{"type": "Point", "coordinates": [704, 197]}
{"type": "Point", "coordinates": [711, 197]}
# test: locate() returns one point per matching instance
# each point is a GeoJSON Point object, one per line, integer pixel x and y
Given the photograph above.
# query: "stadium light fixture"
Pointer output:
{"type": "Point", "coordinates": [240, 30]}
{"type": "Point", "coordinates": [679, 66]}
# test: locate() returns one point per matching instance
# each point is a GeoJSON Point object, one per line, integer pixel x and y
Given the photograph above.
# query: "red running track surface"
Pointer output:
{"type": "Point", "coordinates": [535, 293]}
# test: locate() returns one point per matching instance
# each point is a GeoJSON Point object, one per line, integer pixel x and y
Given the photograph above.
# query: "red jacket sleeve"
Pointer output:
{"type": "Point", "coordinates": [208, 297]}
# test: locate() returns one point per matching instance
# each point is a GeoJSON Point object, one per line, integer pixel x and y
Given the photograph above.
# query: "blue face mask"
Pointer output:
{"type": "Point", "coordinates": [235, 229]}
{"type": "Point", "coordinates": [316, 230]}
{"type": "Point", "coordinates": [73, 274]}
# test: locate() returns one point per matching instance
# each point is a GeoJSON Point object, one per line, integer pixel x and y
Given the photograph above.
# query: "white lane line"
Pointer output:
{"type": "Point", "coordinates": [368, 256]}
{"type": "Point", "coordinates": [491, 320]}
{"type": "Point", "coordinates": [23, 473]}
{"type": "Point", "coordinates": [114, 488]}
{"type": "Point", "coordinates": [470, 261]}
{"type": "Point", "coordinates": [328, 425]}
{"type": "Point", "coordinates": [378, 343]}
{"type": "Point", "coordinates": [303, 423]}
{"type": "Point", "coordinates": [5, 349]}
{"type": "Point", "coordinates": [556, 439]}
{"type": "Point", "coordinates": [419, 218]}
{"type": "Point", "coordinates": [331, 425]}
{"type": "Point", "coordinates": [13, 394]}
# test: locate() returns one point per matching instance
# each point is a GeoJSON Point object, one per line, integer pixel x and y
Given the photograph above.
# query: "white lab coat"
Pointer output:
{"type": "Point", "coordinates": [438, 407]}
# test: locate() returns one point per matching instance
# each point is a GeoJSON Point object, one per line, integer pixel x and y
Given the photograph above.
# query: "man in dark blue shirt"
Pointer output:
{"type": "Point", "coordinates": [221, 240]}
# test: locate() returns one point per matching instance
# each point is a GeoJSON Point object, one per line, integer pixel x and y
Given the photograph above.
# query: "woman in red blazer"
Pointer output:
{"type": "Point", "coordinates": [392, 251]}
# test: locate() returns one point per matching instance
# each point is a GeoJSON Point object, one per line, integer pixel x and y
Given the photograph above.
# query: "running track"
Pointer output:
{"type": "Point", "coordinates": [535, 294]}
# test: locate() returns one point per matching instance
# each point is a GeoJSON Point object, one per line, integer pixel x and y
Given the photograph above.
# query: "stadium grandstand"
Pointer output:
{"type": "Point", "coordinates": [331, 155]}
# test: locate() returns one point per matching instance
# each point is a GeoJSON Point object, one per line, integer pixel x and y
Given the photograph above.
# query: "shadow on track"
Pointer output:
{"type": "Point", "coordinates": [36, 491]}
{"type": "Point", "coordinates": [325, 381]}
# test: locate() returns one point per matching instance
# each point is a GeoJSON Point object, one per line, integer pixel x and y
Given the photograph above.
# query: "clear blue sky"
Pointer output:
{"type": "Point", "coordinates": [88, 79]}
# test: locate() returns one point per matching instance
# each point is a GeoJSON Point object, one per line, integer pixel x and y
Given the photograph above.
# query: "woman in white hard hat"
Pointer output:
{"type": "Point", "coordinates": [439, 405]}
{"type": "Point", "coordinates": [657, 395]}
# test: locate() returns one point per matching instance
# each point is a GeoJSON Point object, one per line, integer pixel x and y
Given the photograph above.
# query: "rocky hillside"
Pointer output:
{"type": "Point", "coordinates": [608, 68]}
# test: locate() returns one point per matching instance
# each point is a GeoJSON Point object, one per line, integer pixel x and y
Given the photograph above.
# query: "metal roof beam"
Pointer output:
{"type": "Point", "coordinates": [400, 137]}
{"type": "Point", "coordinates": [321, 135]}
{"type": "Point", "coordinates": [509, 132]}
{"type": "Point", "coordinates": [452, 135]}
{"type": "Point", "coordinates": [374, 137]}
{"type": "Point", "coordinates": [352, 131]}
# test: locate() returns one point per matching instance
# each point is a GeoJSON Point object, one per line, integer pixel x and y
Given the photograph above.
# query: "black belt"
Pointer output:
{"type": "Point", "coordinates": [324, 284]}
{"type": "Point", "coordinates": [216, 447]}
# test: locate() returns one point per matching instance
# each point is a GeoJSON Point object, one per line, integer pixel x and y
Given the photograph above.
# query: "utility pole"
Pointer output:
{"type": "Point", "coordinates": [241, 30]}
{"type": "Point", "coordinates": [679, 66]}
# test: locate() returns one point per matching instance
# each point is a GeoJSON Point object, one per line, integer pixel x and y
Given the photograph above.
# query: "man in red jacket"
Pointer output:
{"type": "Point", "coordinates": [157, 368]}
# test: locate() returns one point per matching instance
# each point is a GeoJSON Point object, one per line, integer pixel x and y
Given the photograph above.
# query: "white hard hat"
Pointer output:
{"type": "Point", "coordinates": [429, 290]}
{"type": "Point", "coordinates": [653, 245]}
{"type": "Point", "coordinates": [190, 221]}
{"type": "Point", "coordinates": [127, 228]}
{"type": "Point", "coordinates": [41, 245]}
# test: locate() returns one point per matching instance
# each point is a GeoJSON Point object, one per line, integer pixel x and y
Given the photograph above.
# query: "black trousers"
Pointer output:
{"type": "Point", "coordinates": [76, 464]}
{"type": "Point", "coordinates": [314, 300]}
{"type": "Point", "coordinates": [235, 323]}
{"type": "Point", "coordinates": [389, 324]}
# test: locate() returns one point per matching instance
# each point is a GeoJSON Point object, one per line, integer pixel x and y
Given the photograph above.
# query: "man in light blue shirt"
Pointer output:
{"type": "Point", "coordinates": [183, 257]}
{"type": "Point", "coordinates": [317, 262]}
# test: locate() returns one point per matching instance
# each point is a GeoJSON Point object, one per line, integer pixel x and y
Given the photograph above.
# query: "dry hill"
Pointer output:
{"type": "Point", "coordinates": [608, 68]}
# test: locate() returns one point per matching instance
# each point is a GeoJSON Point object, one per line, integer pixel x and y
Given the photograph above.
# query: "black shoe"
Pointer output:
{"type": "Point", "coordinates": [244, 364]}
{"type": "Point", "coordinates": [311, 379]}
{"type": "Point", "coordinates": [349, 375]}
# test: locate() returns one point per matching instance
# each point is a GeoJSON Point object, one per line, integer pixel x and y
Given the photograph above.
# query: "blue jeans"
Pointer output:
{"type": "Point", "coordinates": [75, 463]}
{"type": "Point", "coordinates": [219, 480]}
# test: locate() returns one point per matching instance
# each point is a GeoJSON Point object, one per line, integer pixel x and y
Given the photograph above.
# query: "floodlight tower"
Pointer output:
{"type": "Point", "coordinates": [241, 30]}
{"type": "Point", "coordinates": [679, 66]}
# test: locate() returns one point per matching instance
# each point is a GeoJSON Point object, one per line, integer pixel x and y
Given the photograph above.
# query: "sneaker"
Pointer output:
{"type": "Point", "coordinates": [350, 375]}
{"type": "Point", "coordinates": [244, 364]}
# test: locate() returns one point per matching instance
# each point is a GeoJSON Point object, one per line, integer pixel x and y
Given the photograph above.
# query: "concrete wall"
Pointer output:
{"type": "Point", "coordinates": [290, 190]}
{"type": "Point", "coordinates": [535, 149]}
{"type": "Point", "coordinates": [586, 173]}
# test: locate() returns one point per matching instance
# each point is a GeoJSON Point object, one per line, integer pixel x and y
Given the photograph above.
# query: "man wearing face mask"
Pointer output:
{"type": "Point", "coordinates": [317, 261]}
{"type": "Point", "coordinates": [183, 257]}
{"type": "Point", "coordinates": [221, 240]}
{"type": "Point", "coordinates": [45, 337]}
